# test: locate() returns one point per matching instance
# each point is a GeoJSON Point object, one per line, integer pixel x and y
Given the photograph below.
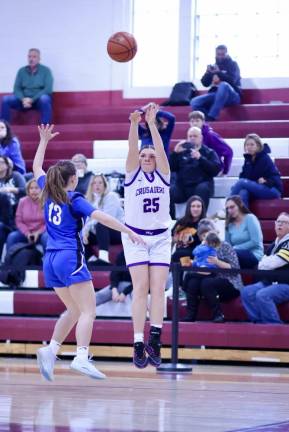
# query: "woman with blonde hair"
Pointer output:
{"type": "Point", "coordinates": [29, 219]}
{"type": "Point", "coordinates": [259, 178]}
{"type": "Point", "coordinates": [95, 233]}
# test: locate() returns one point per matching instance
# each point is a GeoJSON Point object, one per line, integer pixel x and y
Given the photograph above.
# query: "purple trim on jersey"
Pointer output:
{"type": "Point", "coordinates": [162, 179]}
{"type": "Point", "coordinates": [147, 232]}
{"type": "Point", "coordinates": [138, 263]}
{"type": "Point", "coordinates": [133, 179]}
{"type": "Point", "coordinates": [147, 177]}
{"type": "Point", "coordinates": [159, 264]}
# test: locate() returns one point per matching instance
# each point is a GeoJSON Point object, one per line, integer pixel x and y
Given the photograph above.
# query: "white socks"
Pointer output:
{"type": "Point", "coordinates": [82, 352]}
{"type": "Point", "coordinates": [138, 337]}
{"type": "Point", "coordinates": [54, 346]}
{"type": "Point", "coordinates": [157, 325]}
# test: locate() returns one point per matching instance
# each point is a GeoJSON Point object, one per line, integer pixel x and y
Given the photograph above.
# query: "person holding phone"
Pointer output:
{"type": "Point", "coordinates": [195, 166]}
{"type": "Point", "coordinates": [224, 82]}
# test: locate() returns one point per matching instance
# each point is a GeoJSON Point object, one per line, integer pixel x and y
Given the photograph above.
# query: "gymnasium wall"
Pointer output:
{"type": "Point", "coordinates": [71, 35]}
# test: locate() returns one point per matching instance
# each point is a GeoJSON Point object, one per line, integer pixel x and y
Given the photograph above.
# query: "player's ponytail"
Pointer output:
{"type": "Point", "coordinates": [57, 179]}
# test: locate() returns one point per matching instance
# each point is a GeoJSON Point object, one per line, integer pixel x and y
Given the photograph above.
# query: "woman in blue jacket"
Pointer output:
{"type": "Point", "coordinates": [259, 178]}
{"type": "Point", "coordinates": [10, 147]}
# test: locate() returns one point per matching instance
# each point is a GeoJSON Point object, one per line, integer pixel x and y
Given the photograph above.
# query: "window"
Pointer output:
{"type": "Point", "coordinates": [156, 29]}
{"type": "Point", "coordinates": [256, 35]}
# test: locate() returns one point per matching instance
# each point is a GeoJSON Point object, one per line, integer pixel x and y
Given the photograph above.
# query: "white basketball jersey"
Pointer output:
{"type": "Point", "coordinates": [147, 200]}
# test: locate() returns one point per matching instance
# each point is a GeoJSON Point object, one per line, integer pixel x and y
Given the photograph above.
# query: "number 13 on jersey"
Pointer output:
{"type": "Point", "coordinates": [54, 213]}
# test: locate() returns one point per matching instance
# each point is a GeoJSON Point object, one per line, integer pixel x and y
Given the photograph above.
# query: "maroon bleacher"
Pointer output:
{"type": "Point", "coordinates": [82, 117]}
{"type": "Point", "coordinates": [119, 332]}
{"type": "Point", "coordinates": [269, 209]}
{"type": "Point", "coordinates": [114, 250]}
{"type": "Point", "coordinates": [233, 310]}
{"type": "Point", "coordinates": [45, 302]}
{"type": "Point", "coordinates": [283, 165]}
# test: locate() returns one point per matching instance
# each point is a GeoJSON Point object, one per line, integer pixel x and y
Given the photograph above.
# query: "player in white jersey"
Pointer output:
{"type": "Point", "coordinates": [147, 213]}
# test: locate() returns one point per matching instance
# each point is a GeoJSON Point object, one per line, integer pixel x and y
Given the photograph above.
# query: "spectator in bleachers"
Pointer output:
{"type": "Point", "coordinates": [165, 123]}
{"type": "Point", "coordinates": [32, 89]}
{"type": "Point", "coordinates": [260, 299]}
{"type": "Point", "coordinates": [243, 231]}
{"type": "Point", "coordinates": [259, 178]}
{"type": "Point", "coordinates": [84, 176]}
{"type": "Point", "coordinates": [29, 219]}
{"type": "Point", "coordinates": [195, 166]}
{"type": "Point", "coordinates": [213, 140]}
{"type": "Point", "coordinates": [94, 233]}
{"type": "Point", "coordinates": [120, 284]}
{"type": "Point", "coordinates": [10, 147]}
{"type": "Point", "coordinates": [12, 188]}
{"type": "Point", "coordinates": [224, 81]}
{"type": "Point", "coordinates": [184, 233]}
{"type": "Point", "coordinates": [214, 288]}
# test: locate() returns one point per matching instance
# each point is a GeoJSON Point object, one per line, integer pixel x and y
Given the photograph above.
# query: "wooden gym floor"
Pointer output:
{"type": "Point", "coordinates": [210, 399]}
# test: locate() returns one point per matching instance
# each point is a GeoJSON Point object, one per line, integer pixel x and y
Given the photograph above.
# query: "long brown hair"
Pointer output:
{"type": "Point", "coordinates": [57, 179]}
{"type": "Point", "coordinates": [9, 167]}
{"type": "Point", "coordinates": [188, 219]}
{"type": "Point", "coordinates": [241, 206]}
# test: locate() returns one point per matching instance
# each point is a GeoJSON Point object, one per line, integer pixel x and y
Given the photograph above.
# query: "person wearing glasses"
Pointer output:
{"type": "Point", "coordinates": [243, 232]}
{"type": "Point", "coordinates": [260, 299]}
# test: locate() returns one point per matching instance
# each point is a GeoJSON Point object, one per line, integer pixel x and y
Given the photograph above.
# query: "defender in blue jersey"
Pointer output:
{"type": "Point", "coordinates": [64, 265]}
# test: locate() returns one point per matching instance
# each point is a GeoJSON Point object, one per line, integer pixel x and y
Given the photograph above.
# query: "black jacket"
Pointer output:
{"type": "Point", "coordinates": [229, 72]}
{"type": "Point", "coordinates": [192, 171]}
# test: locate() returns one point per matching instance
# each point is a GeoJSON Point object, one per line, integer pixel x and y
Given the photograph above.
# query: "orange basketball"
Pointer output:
{"type": "Point", "coordinates": [122, 47]}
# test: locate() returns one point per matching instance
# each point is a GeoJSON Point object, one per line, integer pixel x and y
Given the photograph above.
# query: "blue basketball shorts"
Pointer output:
{"type": "Point", "coordinates": [63, 268]}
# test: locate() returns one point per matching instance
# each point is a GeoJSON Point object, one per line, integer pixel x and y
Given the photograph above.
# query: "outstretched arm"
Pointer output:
{"type": "Point", "coordinates": [161, 157]}
{"type": "Point", "coordinates": [113, 223]}
{"type": "Point", "coordinates": [46, 134]}
{"type": "Point", "coordinates": [132, 160]}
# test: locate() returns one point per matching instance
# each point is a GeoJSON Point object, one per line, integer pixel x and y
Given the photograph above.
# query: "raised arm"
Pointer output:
{"type": "Point", "coordinates": [132, 160]}
{"type": "Point", "coordinates": [46, 134]}
{"type": "Point", "coordinates": [161, 157]}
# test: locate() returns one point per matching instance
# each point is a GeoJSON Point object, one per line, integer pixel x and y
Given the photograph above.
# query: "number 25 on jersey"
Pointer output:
{"type": "Point", "coordinates": [151, 205]}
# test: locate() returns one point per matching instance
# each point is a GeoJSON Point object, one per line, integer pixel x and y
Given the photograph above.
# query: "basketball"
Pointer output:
{"type": "Point", "coordinates": [122, 47]}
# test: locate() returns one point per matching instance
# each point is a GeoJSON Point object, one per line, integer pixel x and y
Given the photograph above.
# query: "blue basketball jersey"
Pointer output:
{"type": "Point", "coordinates": [64, 222]}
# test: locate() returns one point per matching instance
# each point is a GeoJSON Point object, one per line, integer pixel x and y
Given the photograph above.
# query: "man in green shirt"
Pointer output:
{"type": "Point", "coordinates": [32, 89]}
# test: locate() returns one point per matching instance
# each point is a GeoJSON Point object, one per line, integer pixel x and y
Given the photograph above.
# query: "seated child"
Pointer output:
{"type": "Point", "coordinates": [206, 249]}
